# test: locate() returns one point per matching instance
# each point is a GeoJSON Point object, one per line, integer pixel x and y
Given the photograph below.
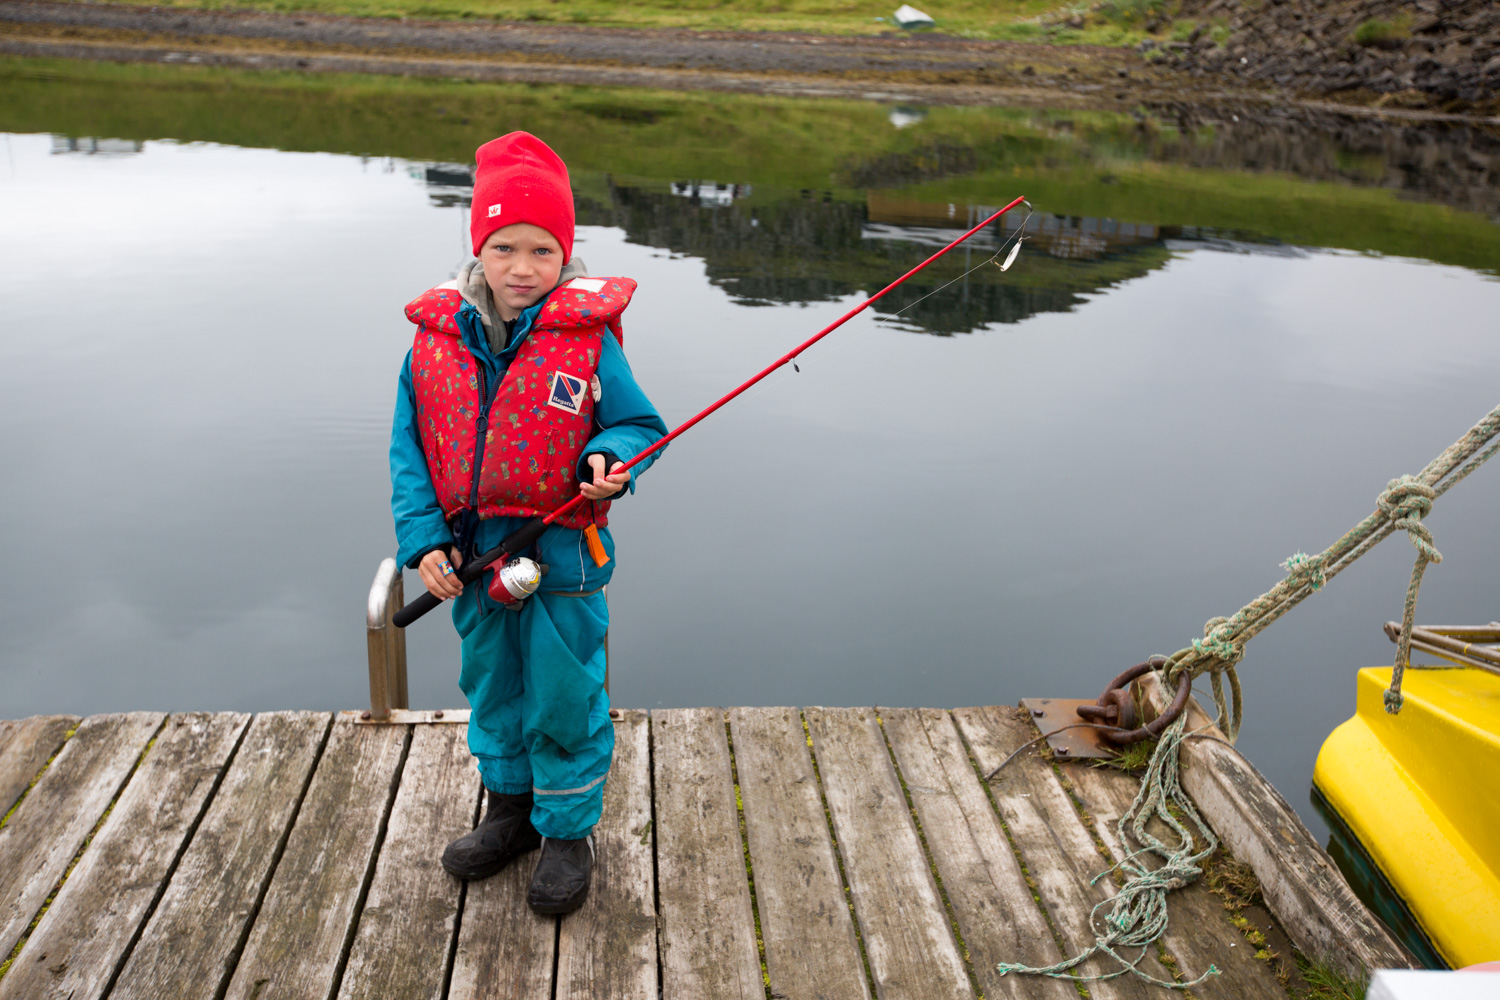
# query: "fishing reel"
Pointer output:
{"type": "Point", "coordinates": [515, 581]}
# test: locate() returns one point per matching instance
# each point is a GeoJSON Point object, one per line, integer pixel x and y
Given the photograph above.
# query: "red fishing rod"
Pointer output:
{"type": "Point", "coordinates": [528, 533]}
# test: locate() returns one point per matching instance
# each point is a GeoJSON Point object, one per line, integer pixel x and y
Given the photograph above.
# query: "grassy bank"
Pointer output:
{"type": "Point", "coordinates": [1070, 163]}
{"type": "Point", "coordinates": [1015, 20]}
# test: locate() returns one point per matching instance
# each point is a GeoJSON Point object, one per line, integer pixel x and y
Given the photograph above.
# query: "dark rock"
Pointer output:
{"type": "Point", "coordinates": [1436, 51]}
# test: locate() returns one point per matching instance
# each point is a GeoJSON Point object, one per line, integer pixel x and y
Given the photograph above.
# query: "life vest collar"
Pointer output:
{"type": "Point", "coordinates": [511, 446]}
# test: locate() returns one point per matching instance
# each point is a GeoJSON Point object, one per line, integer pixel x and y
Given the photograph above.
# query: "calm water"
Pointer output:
{"type": "Point", "coordinates": [1025, 484]}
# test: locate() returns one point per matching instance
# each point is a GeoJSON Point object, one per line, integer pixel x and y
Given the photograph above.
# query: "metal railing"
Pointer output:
{"type": "Point", "coordinates": [386, 646]}
{"type": "Point", "coordinates": [386, 643]}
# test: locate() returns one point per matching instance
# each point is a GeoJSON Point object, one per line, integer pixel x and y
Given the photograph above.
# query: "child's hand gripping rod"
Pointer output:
{"type": "Point", "coordinates": [528, 533]}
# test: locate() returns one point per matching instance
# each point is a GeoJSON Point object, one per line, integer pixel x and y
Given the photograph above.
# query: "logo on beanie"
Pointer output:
{"type": "Point", "coordinates": [494, 209]}
{"type": "Point", "coordinates": [567, 392]}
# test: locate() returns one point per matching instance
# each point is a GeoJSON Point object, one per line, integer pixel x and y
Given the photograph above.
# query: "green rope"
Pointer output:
{"type": "Point", "coordinates": [1402, 506]}
{"type": "Point", "coordinates": [1137, 916]}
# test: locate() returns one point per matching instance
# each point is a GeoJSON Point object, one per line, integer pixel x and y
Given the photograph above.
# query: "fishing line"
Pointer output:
{"type": "Point", "coordinates": [1018, 237]}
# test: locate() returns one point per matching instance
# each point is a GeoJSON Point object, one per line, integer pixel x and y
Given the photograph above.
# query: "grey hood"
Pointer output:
{"type": "Point", "coordinates": [476, 291]}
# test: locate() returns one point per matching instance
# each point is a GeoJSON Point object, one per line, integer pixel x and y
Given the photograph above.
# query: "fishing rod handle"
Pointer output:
{"type": "Point", "coordinates": [516, 541]}
{"type": "Point", "coordinates": [415, 609]}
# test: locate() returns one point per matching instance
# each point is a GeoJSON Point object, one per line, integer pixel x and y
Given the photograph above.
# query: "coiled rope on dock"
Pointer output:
{"type": "Point", "coordinates": [1136, 916]}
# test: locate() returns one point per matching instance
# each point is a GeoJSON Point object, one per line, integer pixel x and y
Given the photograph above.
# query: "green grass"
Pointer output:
{"type": "Point", "coordinates": [1133, 757]}
{"type": "Point", "coordinates": [1232, 881]}
{"type": "Point", "coordinates": [969, 18]}
{"type": "Point", "coordinates": [1326, 983]}
{"type": "Point", "coordinates": [1380, 32]}
{"type": "Point", "coordinates": [1112, 23]}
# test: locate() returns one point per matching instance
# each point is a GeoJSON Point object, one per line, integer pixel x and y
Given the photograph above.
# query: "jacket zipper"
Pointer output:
{"type": "Point", "coordinates": [481, 427]}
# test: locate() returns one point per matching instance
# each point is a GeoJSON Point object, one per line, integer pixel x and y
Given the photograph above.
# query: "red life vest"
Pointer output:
{"type": "Point", "coordinates": [542, 413]}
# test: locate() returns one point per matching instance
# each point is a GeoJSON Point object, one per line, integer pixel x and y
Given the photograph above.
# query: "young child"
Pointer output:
{"type": "Point", "coordinates": [515, 397]}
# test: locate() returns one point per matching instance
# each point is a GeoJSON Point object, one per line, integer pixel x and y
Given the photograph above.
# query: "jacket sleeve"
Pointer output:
{"type": "Point", "coordinates": [420, 525]}
{"type": "Point", "coordinates": [628, 422]}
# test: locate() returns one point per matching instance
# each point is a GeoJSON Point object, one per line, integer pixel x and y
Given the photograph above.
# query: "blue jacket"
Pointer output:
{"type": "Point", "coordinates": [626, 423]}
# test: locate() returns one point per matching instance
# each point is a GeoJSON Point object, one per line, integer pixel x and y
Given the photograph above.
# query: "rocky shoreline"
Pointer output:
{"type": "Point", "coordinates": [1437, 54]}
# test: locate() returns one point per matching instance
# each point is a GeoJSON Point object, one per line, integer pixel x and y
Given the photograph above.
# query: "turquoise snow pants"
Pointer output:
{"type": "Point", "coordinates": [539, 717]}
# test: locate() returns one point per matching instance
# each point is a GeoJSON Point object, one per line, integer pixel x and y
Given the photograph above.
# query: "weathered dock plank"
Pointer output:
{"type": "Point", "coordinates": [707, 937]}
{"type": "Point", "coordinates": [402, 944]}
{"type": "Point", "coordinates": [1300, 882]}
{"type": "Point", "coordinates": [83, 938]}
{"type": "Point", "coordinates": [607, 948]}
{"type": "Point", "coordinates": [505, 951]}
{"type": "Point", "coordinates": [308, 912]}
{"type": "Point", "coordinates": [296, 855]}
{"type": "Point", "coordinates": [25, 746]}
{"type": "Point", "coordinates": [908, 940]}
{"type": "Point", "coordinates": [999, 919]}
{"type": "Point", "coordinates": [50, 825]}
{"type": "Point", "coordinates": [188, 946]}
{"type": "Point", "coordinates": [811, 950]}
{"type": "Point", "coordinates": [1056, 848]}
{"type": "Point", "coordinates": [1199, 933]}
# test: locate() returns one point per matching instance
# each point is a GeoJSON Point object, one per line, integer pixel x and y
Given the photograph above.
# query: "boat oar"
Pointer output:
{"type": "Point", "coordinates": [528, 533]}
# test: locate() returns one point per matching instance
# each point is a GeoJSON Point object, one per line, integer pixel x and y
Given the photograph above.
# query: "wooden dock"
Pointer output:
{"type": "Point", "coordinates": [835, 853]}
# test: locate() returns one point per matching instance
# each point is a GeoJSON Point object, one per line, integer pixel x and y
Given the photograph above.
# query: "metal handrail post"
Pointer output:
{"type": "Point", "coordinates": [385, 643]}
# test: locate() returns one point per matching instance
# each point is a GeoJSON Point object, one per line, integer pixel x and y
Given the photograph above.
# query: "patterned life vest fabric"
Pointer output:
{"type": "Point", "coordinates": [541, 417]}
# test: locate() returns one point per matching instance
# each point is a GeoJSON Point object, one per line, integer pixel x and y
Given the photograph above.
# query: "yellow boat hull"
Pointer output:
{"type": "Point", "coordinates": [1420, 791]}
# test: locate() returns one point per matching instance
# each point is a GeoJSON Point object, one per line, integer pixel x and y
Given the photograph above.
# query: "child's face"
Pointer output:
{"type": "Point", "coordinates": [521, 264]}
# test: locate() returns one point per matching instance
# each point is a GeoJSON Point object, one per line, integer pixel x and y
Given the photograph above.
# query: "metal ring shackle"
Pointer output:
{"type": "Point", "coordinates": [1116, 708]}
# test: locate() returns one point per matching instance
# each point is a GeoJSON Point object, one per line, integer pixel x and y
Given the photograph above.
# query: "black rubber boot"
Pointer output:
{"type": "Point", "coordinates": [504, 834]}
{"type": "Point", "coordinates": [560, 883]}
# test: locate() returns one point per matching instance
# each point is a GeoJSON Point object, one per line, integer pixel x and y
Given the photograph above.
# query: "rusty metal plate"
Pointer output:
{"type": "Point", "coordinates": [410, 717]}
{"type": "Point", "coordinates": [1052, 714]}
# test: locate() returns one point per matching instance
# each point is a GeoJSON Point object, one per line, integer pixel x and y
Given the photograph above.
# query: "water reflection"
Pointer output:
{"type": "Point", "coordinates": [810, 246]}
{"type": "Point", "coordinates": [95, 146]}
{"type": "Point", "coordinates": [1451, 163]}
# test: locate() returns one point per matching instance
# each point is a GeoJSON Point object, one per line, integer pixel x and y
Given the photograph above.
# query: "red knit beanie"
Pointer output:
{"type": "Point", "coordinates": [518, 178]}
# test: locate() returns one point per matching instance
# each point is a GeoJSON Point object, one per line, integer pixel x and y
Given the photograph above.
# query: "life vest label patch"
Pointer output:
{"type": "Point", "coordinates": [595, 285]}
{"type": "Point", "coordinates": [567, 392]}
